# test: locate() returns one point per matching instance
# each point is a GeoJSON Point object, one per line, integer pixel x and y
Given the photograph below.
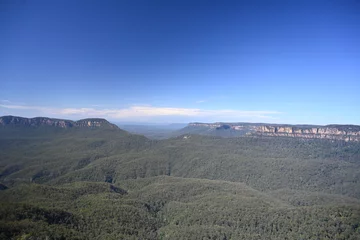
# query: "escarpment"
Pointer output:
{"type": "Point", "coordinates": [335, 132]}
{"type": "Point", "coordinates": [8, 121]}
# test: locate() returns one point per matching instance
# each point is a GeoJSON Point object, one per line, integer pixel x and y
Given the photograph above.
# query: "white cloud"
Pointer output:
{"type": "Point", "coordinates": [201, 101]}
{"type": "Point", "coordinates": [147, 112]}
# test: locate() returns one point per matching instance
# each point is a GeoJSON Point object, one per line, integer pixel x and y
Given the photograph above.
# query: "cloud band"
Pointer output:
{"type": "Point", "coordinates": [135, 112]}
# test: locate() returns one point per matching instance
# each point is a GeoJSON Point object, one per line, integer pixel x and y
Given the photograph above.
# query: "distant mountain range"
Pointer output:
{"type": "Point", "coordinates": [220, 129]}
{"type": "Point", "coordinates": [153, 131]}
{"type": "Point", "coordinates": [61, 123]}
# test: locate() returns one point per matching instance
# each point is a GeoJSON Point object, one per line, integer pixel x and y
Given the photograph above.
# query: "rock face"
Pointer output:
{"type": "Point", "coordinates": [61, 123]}
{"type": "Point", "coordinates": [336, 132]}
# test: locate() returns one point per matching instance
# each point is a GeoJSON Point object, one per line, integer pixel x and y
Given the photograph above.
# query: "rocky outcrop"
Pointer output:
{"type": "Point", "coordinates": [94, 122]}
{"type": "Point", "coordinates": [335, 132]}
{"type": "Point", "coordinates": [60, 123]}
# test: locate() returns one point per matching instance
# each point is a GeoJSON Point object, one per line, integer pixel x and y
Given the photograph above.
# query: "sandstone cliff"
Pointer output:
{"type": "Point", "coordinates": [336, 132]}
{"type": "Point", "coordinates": [61, 123]}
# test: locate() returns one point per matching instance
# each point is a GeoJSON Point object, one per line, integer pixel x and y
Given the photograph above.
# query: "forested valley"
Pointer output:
{"type": "Point", "coordinates": [105, 183]}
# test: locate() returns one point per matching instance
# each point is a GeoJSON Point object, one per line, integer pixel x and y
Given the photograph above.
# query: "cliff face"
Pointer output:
{"type": "Point", "coordinates": [336, 132]}
{"type": "Point", "coordinates": [61, 123]}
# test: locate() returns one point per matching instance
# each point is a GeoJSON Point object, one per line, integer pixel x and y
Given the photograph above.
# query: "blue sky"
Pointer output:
{"type": "Point", "coordinates": [181, 61]}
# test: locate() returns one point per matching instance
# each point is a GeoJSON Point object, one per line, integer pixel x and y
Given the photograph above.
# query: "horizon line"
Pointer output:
{"type": "Point", "coordinates": [188, 123]}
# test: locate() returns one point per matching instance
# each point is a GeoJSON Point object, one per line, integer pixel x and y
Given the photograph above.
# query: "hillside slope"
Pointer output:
{"type": "Point", "coordinates": [168, 208]}
{"type": "Point", "coordinates": [104, 183]}
{"type": "Point", "coordinates": [112, 155]}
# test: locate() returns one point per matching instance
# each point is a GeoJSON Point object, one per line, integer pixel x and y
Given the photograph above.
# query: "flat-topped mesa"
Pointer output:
{"type": "Point", "coordinates": [338, 132]}
{"type": "Point", "coordinates": [225, 125]}
{"type": "Point", "coordinates": [209, 125]}
{"type": "Point", "coordinates": [94, 122]}
{"type": "Point", "coordinates": [251, 127]}
{"type": "Point", "coordinates": [35, 122]}
{"type": "Point", "coordinates": [61, 123]}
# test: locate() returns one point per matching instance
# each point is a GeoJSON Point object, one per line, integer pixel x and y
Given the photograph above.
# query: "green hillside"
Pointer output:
{"type": "Point", "coordinates": [104, 183]}
{"type": "Point", "coordinates": [169, 208]}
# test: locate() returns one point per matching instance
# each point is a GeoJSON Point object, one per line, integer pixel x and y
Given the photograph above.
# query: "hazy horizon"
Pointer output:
{"type": "Point", "coordinates": [170, 124]}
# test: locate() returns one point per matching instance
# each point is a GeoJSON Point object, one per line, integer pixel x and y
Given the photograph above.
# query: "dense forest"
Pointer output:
{"type": "Point", "coordinates": [104, 183]}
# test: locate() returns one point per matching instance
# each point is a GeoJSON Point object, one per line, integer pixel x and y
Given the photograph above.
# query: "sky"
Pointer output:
{"type": "Point", "coordinates": [274, 61]}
